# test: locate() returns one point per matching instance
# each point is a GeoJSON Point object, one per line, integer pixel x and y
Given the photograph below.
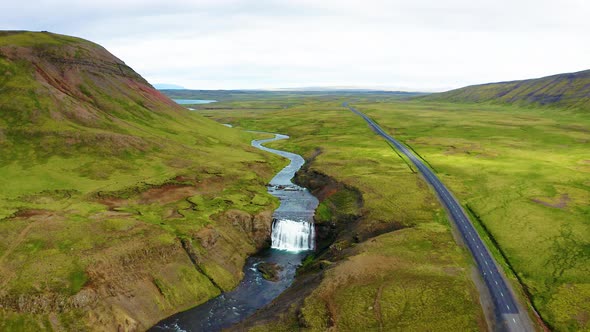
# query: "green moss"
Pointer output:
{"type": "Point", "coordinates": [315, 314]}
{"type": "Point", "coordinates": [77, 280]}
{"type": "Point", "coordinates": [568, 307]}
{"type": "Point", "coordinates": [119, 224]}
{"type": "Point", "coordinates": [260, 200]}
{"type": "Point", "coordinates": [34, 245]}
{"type": "Point", "coordinates": [85, 90]}
{"type": "Point", "coordinates": [73, 320]}
{"type": "Point", "coordinates": [184, 285]}
{"type": "Point", "coordinates": [345, 201]}
{"type": "Point", "coordinates": [323, 213]}
{"type": "Point", "coordinates": [16, 322]}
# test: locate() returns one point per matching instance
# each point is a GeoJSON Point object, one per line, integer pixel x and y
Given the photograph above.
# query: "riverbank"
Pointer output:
{"type": "Point", "coordinates": [292, 237]}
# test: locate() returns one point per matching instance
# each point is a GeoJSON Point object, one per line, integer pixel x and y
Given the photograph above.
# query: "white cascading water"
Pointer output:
{"type": "Point", "coordinates": [292, 235]}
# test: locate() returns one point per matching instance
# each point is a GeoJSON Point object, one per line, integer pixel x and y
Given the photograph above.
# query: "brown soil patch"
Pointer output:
{"type": "Point", "coordinates": [167, 194]}
{"type": "Point", "coordinates": [33, 213]}
{"type": "Point", "coordinates": [183, 178]}
{"type": "Point", "coordinates": [112, 202]}
{"type": "Point", "coordinates": [377, 307]}
{"type": "Point", "coordinates": [583, 317]}
{"type": "Point", "coordinates": [173, 214]}
{"type": "Point", "coordinates": [110, 214]}
{"type": "Point", "coordinates": [370, 229]}
{"type": "Point", "coordinates": [452, 149]}
{"type": "Point", "coordinates": [560, 203]}
{"type": "Point", "coordinates": [470, 149]}
{"type": "Point", "coordinates": [326, 192]}
{"type": "Point", "coordinates": [573, 127]}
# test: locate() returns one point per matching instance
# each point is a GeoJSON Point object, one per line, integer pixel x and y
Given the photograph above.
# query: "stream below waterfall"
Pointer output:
{"type": "Point", "coordinates": [292, 236]}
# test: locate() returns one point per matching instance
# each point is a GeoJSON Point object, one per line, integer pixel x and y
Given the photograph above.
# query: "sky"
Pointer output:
{"type": "Point", "coordinates": [410, 45]}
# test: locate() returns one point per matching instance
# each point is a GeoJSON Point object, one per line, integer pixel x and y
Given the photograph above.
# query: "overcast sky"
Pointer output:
{"type": "Point", "coordinates": [426, 45]}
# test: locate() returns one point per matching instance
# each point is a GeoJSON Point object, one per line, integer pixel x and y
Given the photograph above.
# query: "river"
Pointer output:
{"type": "Point", "coordinates": [292, 237]}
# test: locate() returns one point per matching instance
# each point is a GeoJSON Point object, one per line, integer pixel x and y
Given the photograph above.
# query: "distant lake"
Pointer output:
{"type": "Point", "coordinates": [193, 101]}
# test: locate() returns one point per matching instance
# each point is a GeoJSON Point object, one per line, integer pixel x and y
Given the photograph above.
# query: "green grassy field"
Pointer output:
{"type": "Point", "coordinates": [522, 173]}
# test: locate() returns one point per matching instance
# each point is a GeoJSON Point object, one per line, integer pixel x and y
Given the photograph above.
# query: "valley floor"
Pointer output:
{"type": "Point", "coordinates": [521, 173]}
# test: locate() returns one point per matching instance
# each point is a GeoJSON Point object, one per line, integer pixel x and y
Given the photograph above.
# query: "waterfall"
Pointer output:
{"type": "Point", "coordinates": [293, 235]}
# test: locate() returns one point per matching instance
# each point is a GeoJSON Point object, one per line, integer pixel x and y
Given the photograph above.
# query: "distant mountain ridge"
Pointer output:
{"type": "Point", "coordinates": [568, 91]}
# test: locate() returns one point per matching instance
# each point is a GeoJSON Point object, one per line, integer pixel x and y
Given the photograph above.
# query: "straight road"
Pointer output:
{"type": "Point", "coordinates": [509, 314]}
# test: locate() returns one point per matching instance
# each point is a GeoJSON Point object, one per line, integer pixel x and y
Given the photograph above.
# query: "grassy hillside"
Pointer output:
{"type": "Point", "coordinates": [564, 91]}
{"type": "Point", "coordinates": [118, 207]}
{"type": "Point", "coordinates": [522, 170]}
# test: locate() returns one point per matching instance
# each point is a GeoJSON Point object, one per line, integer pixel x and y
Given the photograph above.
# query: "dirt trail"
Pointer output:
{"type": "Point", "coordinates": [377, 306]}
{"type": "Point", "coordinates": [19, 239]}
{"type": "Point", "coordinates": [34, 217]}
{"type": "Point", "coordinates": [557, 202]}
{"type": "Point", "coordinates": [16, 242]}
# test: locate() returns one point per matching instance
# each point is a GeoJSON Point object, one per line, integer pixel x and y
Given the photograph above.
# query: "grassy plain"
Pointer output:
{"type": "Point", "coordinates": [523, 173]}
{"type": "Point", "coordinates": [400, 268]}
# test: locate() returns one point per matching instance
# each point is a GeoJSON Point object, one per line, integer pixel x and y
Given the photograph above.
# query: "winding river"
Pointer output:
{"type": "Point", "coordinates": [292, 236]}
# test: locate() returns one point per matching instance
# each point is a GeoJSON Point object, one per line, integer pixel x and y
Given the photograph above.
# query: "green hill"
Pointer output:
{"type": "Point", "coordinates": [118, 207]}
{"type": "Point", "coordinates": [570, 91]}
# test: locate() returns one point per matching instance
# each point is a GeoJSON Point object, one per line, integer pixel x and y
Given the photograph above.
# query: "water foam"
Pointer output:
{"type": "Point", "coordinates": [292, 235]}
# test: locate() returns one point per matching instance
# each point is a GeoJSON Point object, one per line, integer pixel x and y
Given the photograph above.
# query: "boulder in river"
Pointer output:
{"type": "Point", "coordinates": [270, 271]}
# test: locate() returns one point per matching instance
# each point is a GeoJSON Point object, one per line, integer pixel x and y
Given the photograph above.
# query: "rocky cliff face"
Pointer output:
{"type": "Point", "coordinates": [131, 286]}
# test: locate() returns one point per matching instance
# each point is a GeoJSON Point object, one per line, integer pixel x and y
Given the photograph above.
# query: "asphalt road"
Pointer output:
{"type": "Point", "coordinates": [509, 314]}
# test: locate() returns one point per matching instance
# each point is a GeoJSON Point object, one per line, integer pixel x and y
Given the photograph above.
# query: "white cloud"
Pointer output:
{"type": "Point", "coordinates": [419, 45]}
